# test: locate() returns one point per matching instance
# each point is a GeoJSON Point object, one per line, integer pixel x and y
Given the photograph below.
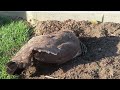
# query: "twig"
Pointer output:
{"type": "Point", "coordinates": [49, 77]}
{"type": "Point", "coordinates": [102, 19]}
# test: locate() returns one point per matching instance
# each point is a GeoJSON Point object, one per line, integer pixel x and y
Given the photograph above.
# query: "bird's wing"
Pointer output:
{"type": "Point", "coordinates": [67, 51]}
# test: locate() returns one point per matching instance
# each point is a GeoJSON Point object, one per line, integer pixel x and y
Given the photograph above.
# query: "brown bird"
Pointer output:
{"type": "Point", "coordinates": [58, 47]}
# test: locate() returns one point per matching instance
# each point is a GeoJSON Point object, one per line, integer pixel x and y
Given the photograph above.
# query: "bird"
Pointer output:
{"type": "Point", "coordinates": [56, 48]}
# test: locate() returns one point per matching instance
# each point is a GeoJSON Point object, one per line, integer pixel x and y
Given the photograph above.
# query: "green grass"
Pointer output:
{"type": "Point", "coordinates": [13, 34]}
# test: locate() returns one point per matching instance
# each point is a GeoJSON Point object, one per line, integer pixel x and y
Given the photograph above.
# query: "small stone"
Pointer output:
{"type": "Point", "coordinates": [99, 49]}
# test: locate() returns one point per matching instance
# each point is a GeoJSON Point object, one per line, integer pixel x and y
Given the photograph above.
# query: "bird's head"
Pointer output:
{"type": "Point", "coordinates": [14, 68]}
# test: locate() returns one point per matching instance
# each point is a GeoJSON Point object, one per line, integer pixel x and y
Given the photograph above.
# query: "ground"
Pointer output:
{"type": "Point", "coordinates": [102, 60]}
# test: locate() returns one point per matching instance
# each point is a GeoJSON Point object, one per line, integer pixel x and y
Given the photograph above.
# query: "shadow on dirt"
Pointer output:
{"type": "Point", "coordinates": [98, 48]}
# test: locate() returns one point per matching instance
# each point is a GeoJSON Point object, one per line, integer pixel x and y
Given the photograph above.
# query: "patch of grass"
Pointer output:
{"type": "Point", "coordinates": [13, 34]}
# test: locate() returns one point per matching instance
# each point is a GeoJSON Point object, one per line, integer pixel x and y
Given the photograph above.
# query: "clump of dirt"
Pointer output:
{"type": "Point", "coordinates": [102, 61]}
{"type": "Point", "coordinates": [46, 27]}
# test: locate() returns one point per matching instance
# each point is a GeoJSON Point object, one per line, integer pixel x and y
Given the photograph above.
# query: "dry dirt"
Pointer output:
{"type": "Point", "coordinates": [102, 61]}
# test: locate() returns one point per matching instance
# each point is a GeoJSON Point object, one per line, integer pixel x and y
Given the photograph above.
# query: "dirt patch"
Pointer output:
{"type": "Point", "coordinates": [102, 61]}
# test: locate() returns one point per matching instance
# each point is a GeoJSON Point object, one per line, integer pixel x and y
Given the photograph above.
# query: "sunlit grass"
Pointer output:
{"type": "Point", "coordinates": [13, 34]}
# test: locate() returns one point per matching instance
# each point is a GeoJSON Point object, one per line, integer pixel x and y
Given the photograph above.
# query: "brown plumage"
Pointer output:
{"type": "Point", "coordinates": [58, 47]}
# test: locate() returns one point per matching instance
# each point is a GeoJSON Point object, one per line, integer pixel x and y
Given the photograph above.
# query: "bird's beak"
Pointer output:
{"type": "Point", "coordinates": [13, 68]}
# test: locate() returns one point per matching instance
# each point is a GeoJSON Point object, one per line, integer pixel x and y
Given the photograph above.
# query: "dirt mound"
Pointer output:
{"type": "Point", "coordinates": [101, 61]}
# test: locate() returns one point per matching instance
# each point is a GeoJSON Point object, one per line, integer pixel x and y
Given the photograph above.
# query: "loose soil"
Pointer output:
{"type": "Point", "coordinates": [102, 60]}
